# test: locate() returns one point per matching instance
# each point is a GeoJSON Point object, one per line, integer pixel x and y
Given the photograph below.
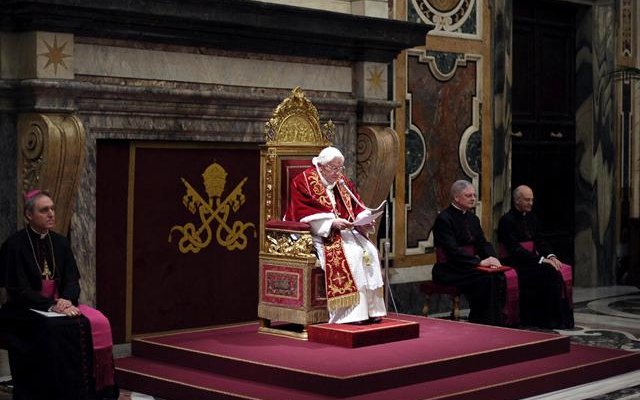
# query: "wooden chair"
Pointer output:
{"type": "Point", "coordinates": [292, 289]}
{"type": "Point", "coordinates": [430, 288]}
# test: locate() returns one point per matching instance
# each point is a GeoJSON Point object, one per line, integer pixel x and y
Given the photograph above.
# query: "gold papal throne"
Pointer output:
{"type": "Point", "coordinates": [292, 289]}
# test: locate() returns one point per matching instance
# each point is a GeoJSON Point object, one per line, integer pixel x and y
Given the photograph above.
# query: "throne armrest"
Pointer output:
{"type": "Point", "coordinates": [289, 238]}
{"type": "Point", "coordinates": [287, 225]}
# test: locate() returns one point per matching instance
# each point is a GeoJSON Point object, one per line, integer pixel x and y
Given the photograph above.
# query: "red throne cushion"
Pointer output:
{"type": "Point", "coordinates": [287, 225]}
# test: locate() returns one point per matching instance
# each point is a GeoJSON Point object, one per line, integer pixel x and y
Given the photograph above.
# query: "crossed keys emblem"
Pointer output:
{"type": "Point", "coordinates": [214, 211]}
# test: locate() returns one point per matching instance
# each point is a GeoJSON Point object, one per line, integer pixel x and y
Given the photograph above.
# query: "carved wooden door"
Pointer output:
{"type": "Point", "coordinates": [543, 105]}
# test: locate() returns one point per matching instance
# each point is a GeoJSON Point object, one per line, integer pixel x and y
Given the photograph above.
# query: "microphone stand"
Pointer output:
{"type": "Point", "coordinates": [387, 249]}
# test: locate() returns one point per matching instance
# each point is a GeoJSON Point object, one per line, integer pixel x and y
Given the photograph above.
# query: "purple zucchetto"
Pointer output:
{"type": "Point", "coordinates": [28, 196]}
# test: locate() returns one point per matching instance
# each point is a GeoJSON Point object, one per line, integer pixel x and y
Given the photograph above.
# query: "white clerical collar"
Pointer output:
{"type": "Point", "coordinates": [41, 235]}
{"type": "Point", "coordinates": [456, 206]}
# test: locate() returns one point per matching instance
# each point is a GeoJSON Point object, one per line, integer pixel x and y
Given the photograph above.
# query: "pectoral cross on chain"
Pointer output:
{"type": "Point", "coordinates": [366, 257]}
{"type": "Point", "coordinates": [46, 273]}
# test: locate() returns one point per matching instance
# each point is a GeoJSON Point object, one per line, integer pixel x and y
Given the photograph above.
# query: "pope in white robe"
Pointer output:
{"type": "Point", "coordinates": [326, 199]}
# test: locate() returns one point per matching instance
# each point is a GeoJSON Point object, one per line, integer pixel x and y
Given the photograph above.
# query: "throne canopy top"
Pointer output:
{"type": "Point", "coordinates": [295, 122]}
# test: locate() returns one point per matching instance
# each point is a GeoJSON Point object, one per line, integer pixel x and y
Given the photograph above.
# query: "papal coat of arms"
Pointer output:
{"type": "Point", "coordinates": [214, 213]}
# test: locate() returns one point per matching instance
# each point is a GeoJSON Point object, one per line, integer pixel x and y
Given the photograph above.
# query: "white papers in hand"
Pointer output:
{"type": "Point", "coordinates": [367, 219]}
{"type": "Point", "coordinates": [48, 313]}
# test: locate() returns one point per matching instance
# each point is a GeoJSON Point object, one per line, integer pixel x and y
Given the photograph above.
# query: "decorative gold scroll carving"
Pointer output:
{"type": "Point", "coordinates": [269, 183]}
{"type": "Point", "coordinates": [295, 122]}
{"type": "Point", "coordinates": [377, 162]}
{"type": "Point", "coordinates": [285, 243]}
{"type": "Point", "coordinates": [51, 153]}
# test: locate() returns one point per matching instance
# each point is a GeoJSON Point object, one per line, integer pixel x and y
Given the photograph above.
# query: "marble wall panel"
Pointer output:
{"type": "Point", "coordinates": [342, 6]}
{"type": "Point", "coordinates": [440, 113]}
{"type": "Point", "coordinates": [82, 232]}
{"type": "Point", "coordinates": [112, 61]}
{"type": "Point", "coordinates": [595, 208]}
{"type": "Point", "coordinates": [8, 175]}
{"type": "Point", "coordinates": [370, 8]}
{"type": "Point", "coordinates": [502, 27]}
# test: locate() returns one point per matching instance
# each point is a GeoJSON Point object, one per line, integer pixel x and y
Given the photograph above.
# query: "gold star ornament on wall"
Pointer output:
{"type": "Point", "coordinates": [55, 54]}
{"type": "Point", "coordinates": [376, 78]}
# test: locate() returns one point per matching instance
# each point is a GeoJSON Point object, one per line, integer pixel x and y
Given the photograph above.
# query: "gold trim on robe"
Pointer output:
{"type": "Point", "coordinates": [340, 286]}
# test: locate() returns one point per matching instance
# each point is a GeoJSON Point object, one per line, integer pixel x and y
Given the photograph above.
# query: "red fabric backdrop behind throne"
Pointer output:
{"type": "Point", "coordinates": [191, 244]}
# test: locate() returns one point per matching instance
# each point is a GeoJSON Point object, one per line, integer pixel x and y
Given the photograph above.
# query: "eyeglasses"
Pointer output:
{"type": "Point", "coordinates": [331, 168]}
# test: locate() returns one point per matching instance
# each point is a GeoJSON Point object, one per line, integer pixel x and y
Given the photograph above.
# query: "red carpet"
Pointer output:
{"type": "Point", "coordinates": [350, 335]}
{"type": "Point", "coordinates": [450, 360]}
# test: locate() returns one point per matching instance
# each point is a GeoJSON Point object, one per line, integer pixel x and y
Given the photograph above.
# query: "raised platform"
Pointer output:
{"type": "Point", "coordinates": [450, 360]}
{"type": "Point", "coordinates": [350, 335]}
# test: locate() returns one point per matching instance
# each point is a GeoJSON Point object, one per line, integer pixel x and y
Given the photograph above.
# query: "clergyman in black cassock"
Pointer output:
{"type": "Point", "coordinates": [51, 357]}
{"type": "Point", "coordinates": [545, 301]}
{"type": "Point", "coordinates": [455, 230]}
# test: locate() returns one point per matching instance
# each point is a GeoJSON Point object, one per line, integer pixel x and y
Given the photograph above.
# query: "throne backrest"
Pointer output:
{"type": "Point", "coordinates": [289, 169]}
{"type": "Point", "coordinates": [293, 137]}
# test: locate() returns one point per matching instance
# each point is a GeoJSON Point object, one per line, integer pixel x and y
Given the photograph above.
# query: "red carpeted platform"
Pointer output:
{"type": "Point", "coordinates": [351, 335]}
{"type": "Point", "coordinates": [449, 360]}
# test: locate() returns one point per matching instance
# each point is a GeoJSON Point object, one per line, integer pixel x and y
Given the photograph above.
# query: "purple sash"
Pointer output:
{"type": "Point", "coordinates": [511, 309]}
{"type": "Point", "coordinates": [567, 276]}
{"type": "Point", "coordinates": [49, 289]}
{"type": "Point", "coordinates": [103, 367]}
{"type": "Point", "coordinates": [566, 271]}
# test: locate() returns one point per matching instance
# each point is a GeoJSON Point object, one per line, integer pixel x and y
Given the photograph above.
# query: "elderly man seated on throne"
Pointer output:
{"type": "Point", "coordinates": [326, 199]}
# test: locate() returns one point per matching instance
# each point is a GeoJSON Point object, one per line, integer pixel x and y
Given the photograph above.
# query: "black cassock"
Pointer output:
{"type": "Point", "coordinates": [454, 230]}
{"type": "Point", "coordinates": [543, 300]}
{"type": "Point", "coordinates": [51, 358]}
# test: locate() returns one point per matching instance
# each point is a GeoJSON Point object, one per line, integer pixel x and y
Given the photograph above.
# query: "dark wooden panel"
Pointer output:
{"type": "Point", "coordinates": [555, 58]}
{"type": "Point", "coordinates": [523, 95]}
{"type": "Point", "coordinates": [544, 115]}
